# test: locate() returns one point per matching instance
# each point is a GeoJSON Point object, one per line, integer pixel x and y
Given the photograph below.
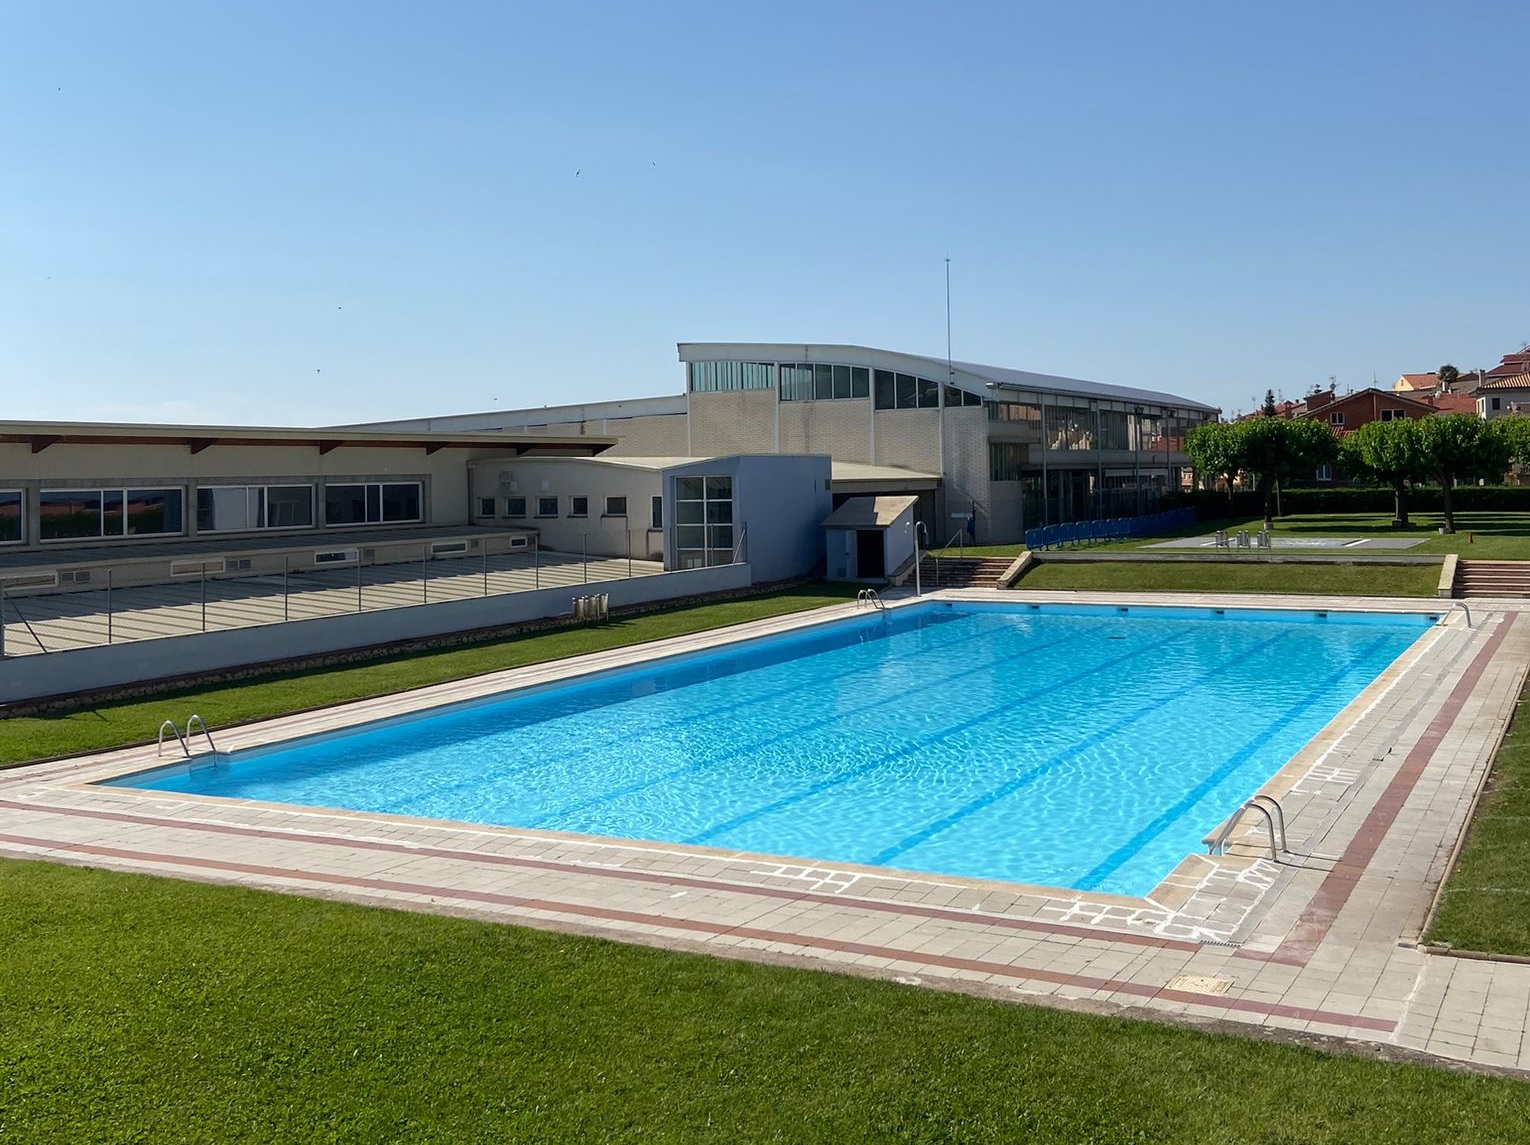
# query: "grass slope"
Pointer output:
{"type": "Point", "coordinates": [25, 738]}
{"type": "Point", "coordinates": [1486, 903]}
{"type": "Point", "coordinates": [136, 1009]}
{"type": "Point", "coordinates": [1335, 580]}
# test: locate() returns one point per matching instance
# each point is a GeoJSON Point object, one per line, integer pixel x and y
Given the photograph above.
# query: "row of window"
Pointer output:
{"type": "Point", "coordinates": [547, 506]}
{"type": "Point", "coordinates": [799, 382]}
{"type": "Point", "coordinates": [103, 514]}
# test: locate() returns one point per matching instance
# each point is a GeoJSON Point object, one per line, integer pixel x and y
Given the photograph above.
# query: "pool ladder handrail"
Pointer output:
{"type": "Point", "coordinates": [1274, 821]}
{"type": "Point", "coordinates": [183, 740]}
{"type": "Point", "coordinates": [1461, 604]}
{"type": "Point", "coordinates": [869, 598]}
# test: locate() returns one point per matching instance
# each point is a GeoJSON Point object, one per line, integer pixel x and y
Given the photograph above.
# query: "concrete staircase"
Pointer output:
{"type": "Point", "coordinates": [963, 572]}
{"type": "Point", "coordinates": [1492, 578]}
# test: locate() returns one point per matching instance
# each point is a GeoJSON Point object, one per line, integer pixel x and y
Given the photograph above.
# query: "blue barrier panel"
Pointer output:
{"type": "Point", "coordinates": [1033, 538]}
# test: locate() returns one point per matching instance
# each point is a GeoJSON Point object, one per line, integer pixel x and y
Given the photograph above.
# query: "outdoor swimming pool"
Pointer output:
{"type": "Point", "coordinates": [1084, 747]}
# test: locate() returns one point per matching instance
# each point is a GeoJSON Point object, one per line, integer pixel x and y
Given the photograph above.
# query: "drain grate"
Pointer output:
{"type": "Point", "coordinates": [1199, 984]}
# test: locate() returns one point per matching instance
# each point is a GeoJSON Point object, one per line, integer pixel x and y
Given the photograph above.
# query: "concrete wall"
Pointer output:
{"type": "Point", "coordinates": [85, 669]}
{"type": "Point", "coordinates": [840, 428]}
{"type": "Point", "coordinates": [727, 423]}
{"type": "Point", "coordinates": [598, 533]}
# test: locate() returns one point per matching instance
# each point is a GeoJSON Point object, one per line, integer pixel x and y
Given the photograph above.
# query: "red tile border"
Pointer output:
{"type": "Point", "coordinates": [698, 926]}
{"type": "Point", "coordinates": [1336, 888]}
{"type": "Point", "coordinates": [888, 906]}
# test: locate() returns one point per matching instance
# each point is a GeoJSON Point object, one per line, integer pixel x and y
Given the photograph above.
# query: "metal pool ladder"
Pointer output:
{"type": "Point", "coordinates": [193, 722]}
{"type": "Point", "coordinates": [869, 597]}
{"type": "Point", "coordinates": [1274, 821]}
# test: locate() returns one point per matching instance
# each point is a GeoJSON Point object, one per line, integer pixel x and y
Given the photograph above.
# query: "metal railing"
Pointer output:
{"type": "Point", "coordinates": [55, 617]}
{"type": "Point", "coordinates": [1274, 819]}
{"type": "Point", "coordinates": [869, 598]}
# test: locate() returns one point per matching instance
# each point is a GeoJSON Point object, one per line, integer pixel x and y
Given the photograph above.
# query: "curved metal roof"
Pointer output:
{"type": "Point", "coordinates": [983, 376]}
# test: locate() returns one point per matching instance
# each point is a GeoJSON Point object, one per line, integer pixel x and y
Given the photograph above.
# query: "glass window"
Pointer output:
{"type": "Point", "coordinates": [886, 390]}
{"type": "Point", "coordinates": [907, 391]}
{"type": "Point", "coordinates": [233, 508]}
{"type": "Point", "coordinates": [371, 504]}
{"type": "Point", "coordinates": [547, 506]}
{"type": "Point", "coordinates": [724, 377]}
{"type": "Point", "coordinates": [401, 502]}
{"type": "Point", "coordinates": [703, 521]}
{"type": "Point", "coordinates": [95, 513]}
{"type": "Point", "coordinates": [65, 515]}
{"type": "Point", "coordinates": [345, 504]}
{"type": "Point", "coordinates": [11, 530]}
{"type": "Point", "coordinates": [929, 394]}
{"type": "Point", "coordinates": [1006, 460]}
{"type": "Point", "coordinates": [578, 506]}
{"type": "Point", "coordinates": [287, 506]}
{"type": "Point", "coordinates": [841, 381]}
{"type": "Point", "coordinates": [657, 518]}
{"type": "Point", "coordinates": [616, 506]}
{"type": "Point", "coordinates": [860, 382]}
{"type": "Point", "coordinates": [486, 506]}
{"type": "Point", "coordinates": [1336, 419]}
{"type": "Point", "coordinates": [823, 382]}
{"type": "Point", "coordinates": [515, 506]}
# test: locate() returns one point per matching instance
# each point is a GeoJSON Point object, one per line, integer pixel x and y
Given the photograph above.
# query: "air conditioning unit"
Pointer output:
{"type": "Point", "coordinates": [336, 557]}
{"type": "Point", "coordinates": [79, 576]}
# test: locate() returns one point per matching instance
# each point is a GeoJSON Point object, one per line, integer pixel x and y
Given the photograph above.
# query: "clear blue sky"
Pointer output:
{"type": "Point", "coordinates": [299, 213]}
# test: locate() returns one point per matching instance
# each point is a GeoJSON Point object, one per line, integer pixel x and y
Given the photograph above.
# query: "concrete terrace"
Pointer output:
{"type": "Point", "coordinates": [59, 621]}
{"type": "Point", "coordinates": [1323, 942]}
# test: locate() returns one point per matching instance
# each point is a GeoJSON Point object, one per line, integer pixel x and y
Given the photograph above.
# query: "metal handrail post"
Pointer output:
{"type": "Point", "coordinates": [2, 620]}
{"type": "Point", "coordinates": [204, 596]}
{"type": "Point", "coordinates": [109, 605]}
{"type": "Point", "coordinates": [584, 555]}
{"type": "Point", "coordinates": [486, 568]}
{"type": "Point", "coordinates": [286, 596]}
{"type": "Point", "coordinates": [536, 563]}
{"type": "Point", "coordinates": [629, 554]}
{"type": "Point", "coordinates": [358, 582]}
{"type": "Point", "coordinates": [425, 574]}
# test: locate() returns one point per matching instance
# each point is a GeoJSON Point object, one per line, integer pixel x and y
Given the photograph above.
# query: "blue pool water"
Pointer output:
{"type": "Point", "coordinates": [1080, 747]}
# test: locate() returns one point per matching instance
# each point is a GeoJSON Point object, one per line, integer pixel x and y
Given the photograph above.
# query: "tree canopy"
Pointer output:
{"type": "Point", "coordinates": [1461, 446]}
{"type": "Point", "coordinates": [1390, 452]}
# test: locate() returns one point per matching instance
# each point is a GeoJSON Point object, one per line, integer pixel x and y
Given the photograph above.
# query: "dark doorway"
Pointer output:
{"type": "Point", "coordinates": [869, 554]}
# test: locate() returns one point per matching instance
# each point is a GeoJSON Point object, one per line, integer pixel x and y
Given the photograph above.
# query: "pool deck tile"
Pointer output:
{"type": "Point", "coordinates": [1325, 940]}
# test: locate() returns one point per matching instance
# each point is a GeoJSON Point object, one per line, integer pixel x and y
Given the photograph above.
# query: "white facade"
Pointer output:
{"type": "Point", "coordinates": [1010, 448]}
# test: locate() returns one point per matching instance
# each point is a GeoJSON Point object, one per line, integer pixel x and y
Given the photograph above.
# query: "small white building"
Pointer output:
{"type": "Point", "coordinates": [870, 538]}
{"type": "Point", "coordinates": [689, 512]}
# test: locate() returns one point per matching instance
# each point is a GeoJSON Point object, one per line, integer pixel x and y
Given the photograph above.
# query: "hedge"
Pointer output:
{"type": "Point", "coordinates": [1211, 505]}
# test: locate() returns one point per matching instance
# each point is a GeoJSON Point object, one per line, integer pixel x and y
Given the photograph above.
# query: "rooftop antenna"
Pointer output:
{"type": "Point", "coordinates": [950, 373]}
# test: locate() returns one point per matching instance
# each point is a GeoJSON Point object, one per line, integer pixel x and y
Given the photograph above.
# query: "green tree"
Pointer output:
{"type": "Point", "coordinates": [1514, 432]}
{"type": "Point", "coordinates": [1215, 449]}
{"type": "Point", "coordinates": [1447, 374]}
{"type": "Point", "coordinates": [1274, 449]}
{"type": "Point", "coordinates": [1268, 409]}
{"type": "Point", "coordinates": [1461, 447]}
{"type": "Point", "coordinates": [1390, 452]}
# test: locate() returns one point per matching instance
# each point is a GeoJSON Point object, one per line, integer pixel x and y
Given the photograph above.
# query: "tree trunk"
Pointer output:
{"type": "Point", "coordinates": [1269, 502]}
{"type": "Point", "coordinates": [1231, 505]}
{"type": "Point", "coordinates": [1400, 505]}
{"type": "Point", "coordinates": [1447, 480]}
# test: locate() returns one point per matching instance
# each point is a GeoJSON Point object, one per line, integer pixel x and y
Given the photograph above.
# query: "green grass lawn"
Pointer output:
{"type": "Point", "coordinates": [1185, 576]}
{"type": "Point", "coordinates": [1486, 904]}
{"type": "Point", "coordinates": [24, 738]}
{"type": "Point", "coordinates": [137, 1009]}
{"type": "Point", "coordinates": [1479, 536]}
